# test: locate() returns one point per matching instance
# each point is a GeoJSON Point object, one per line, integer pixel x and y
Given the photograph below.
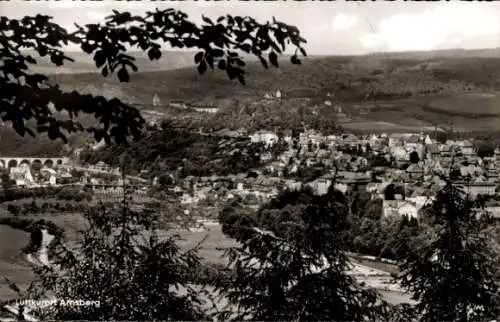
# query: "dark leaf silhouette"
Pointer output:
{"type": "Point", "coordinates": [202, 67]}
{"type": "Point", "coordinates": [221, 64]}
{"type": "Point", "coordinates": [154, 54]}
{"type": "Point", "coordinates": [273, 58]}
{"type": "Point", "coordinates": [100, 58]}
{"type": "Point", "coordinates": [241, 79]}
{"type": "Point", "coordinates": [207, 20]}
{"type": "Point", "coordinates": [105, 71]}
{"type": "Point", "coordinates": [263, 61]}
{"type": "Point", "coordinates": [210, 61]}
{"type": "Point", "coordinates": [295, 60]}
{"type": "Point", "coordinates": [198, 57]}
{"type": "Point", "coordinates": [123, 75]}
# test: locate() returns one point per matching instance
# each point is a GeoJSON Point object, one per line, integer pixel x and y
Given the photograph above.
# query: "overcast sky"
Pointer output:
{"type": "Point", "coordinates": [330, 27]}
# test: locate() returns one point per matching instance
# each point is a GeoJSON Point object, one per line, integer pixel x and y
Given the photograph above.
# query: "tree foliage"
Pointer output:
{"type": "Point", "coordinates": [453, 276]}
{"type": "Point", "coordinates": [33, 104]}
{"type": "Point", "coordinates": [122, 262]}
{"type": "Point", "coordinates": [291, 264]}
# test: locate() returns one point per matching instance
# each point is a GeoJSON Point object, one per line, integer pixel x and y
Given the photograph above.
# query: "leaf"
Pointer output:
{"type": "Point", "coordinates": [238, 20]}
{"type": "Point", "coordinates": [202, 68]}
{"type": "Point", "coordinates": [222, 64]}
{"type": "Point", "coordinates": [53, 133]}
{"type": "Point", "coordinates": [87, 47]}
{"type": "Point", "coordinates": [246, 47]}
{"type": "Point", "coordinates": [143, 44]}
{"type": "Point", "coordinates": [56, 59]}
{"type": "Point", "coordinates": [217, 52]}
{"type": "Point", "coordinates": [158, 18]}
{"type": "Point", "coordinates": [30, 60]}
{"type": "Point", "coordinates": [100, 58]}
{"type": "Point", "coordinates": [230, 72]}
{"type": "Point", "coordinates": [19, 128]}
{"type": "Point", "coordinates": [295, 60]}
{"type": "Point", "coordinates": [42, 50]}
{"type": "Point", "coordinates": [241, 79]}
{"type": "Point", "coordinates": [104, 71]}
{"type": "Point", "coordinates": [131, 65]}
{"type": "Point", "coordinates": [263, 62]}
{"type": "Point", "coordinates": [207, 20]}
{"type": "Point", "coordinates": [198, 57]}
{"type": "Point", "coordinates": [220, 19]}
{"type": "Point", "coordinates": [123, 75]}
{"type": "Point", "coordinates": [154, 54]}
{"type": "Point", "coordinates": [42, 128]}
{"type": "Point", "coordinates": [273, 59]}
{"type": "Point", "coordinates": [210, 61]}
{"type": "Point", "coordinates": [239, 62]}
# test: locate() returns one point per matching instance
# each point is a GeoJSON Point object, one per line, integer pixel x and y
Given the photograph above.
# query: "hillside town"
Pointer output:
{"type": "Point", "coordinates": [412, 166]}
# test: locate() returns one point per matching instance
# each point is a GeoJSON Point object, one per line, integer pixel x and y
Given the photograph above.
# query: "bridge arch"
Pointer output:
{"type": "Point", "coordinates": [59, 161]}
{"type": "Point", "coordinates": [25, 161]}
{"type": "Point", "coordinates": [36, 164]}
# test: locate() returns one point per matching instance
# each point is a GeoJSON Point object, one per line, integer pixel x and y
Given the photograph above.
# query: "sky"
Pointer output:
{"type": "Point", "coordinates": [330, 28]}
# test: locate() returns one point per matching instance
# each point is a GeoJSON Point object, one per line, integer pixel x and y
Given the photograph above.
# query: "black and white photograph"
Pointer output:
{"type": "Point", "coordinates": [250, 160]}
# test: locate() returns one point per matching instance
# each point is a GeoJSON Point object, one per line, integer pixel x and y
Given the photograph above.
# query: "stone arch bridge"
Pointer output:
{"type": "Point", "coordinates": [10, 162]}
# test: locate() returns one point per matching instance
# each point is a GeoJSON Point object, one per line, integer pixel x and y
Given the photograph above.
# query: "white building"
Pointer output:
{"type": "Point", "coordinates": [268, 138]}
